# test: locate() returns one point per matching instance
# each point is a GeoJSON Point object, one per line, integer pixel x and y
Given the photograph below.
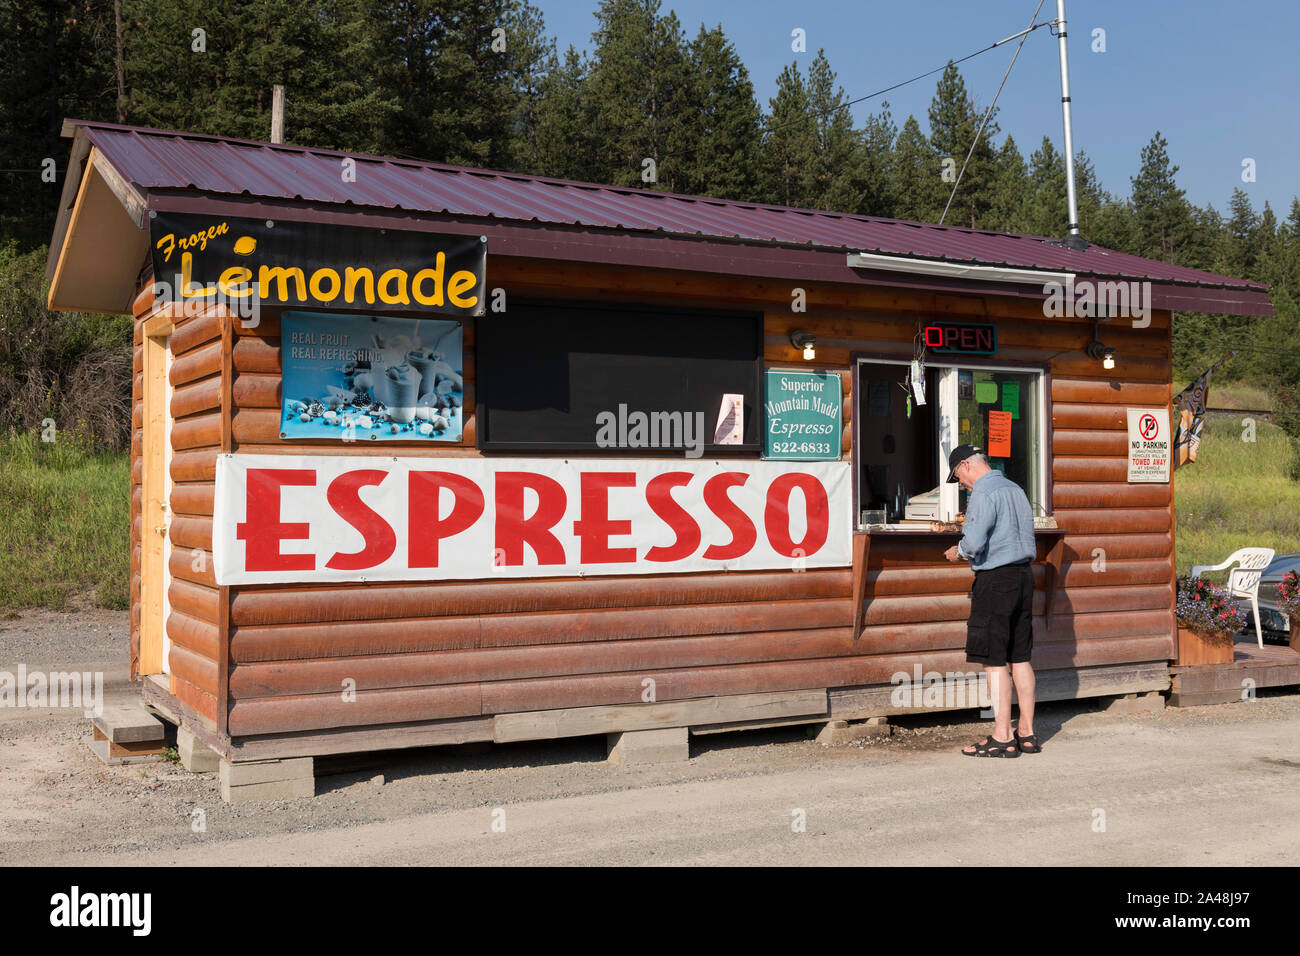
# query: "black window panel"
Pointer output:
{"type": "Point", "coordinates": [544, 371]}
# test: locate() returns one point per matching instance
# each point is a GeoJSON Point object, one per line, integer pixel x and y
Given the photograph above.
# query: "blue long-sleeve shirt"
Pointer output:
{"type": "Point", "coordinates": [999, 526]}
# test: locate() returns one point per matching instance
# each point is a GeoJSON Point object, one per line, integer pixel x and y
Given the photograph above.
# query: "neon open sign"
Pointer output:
{"type": "Point", "coordinates": [966, 338]}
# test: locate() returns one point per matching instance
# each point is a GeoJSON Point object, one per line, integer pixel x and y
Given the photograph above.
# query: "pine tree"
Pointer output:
{"type": "Point", "coordinates": [1265, 233]}
{"type": "Point", "coordinates": [876, 148]}
{"type": "Point", "coordinates": [836, 173]}
{"type": "Point", "coordinates": [1279, 259]}
{"type": "Point", "coordinates": [723, 122]}
{"type": "Point", "coordinates": [1104, 220]}
{"type": "Point", "coordinates": [954, 122]}
{"type": "Point", "coordinates": [203, 67]}
{"type": "Point", "coordinates": [638, 86]}
{"type": "Point", "coordinates": [790, 142]}
{"type": "Point", "coordinates": [1007, 193]}
{"type": "Point", "coordinates": [916, 176]}
{"type": "Point", "coordinates": [1203, 229]}
{"type": "Point", "coordinates": [530, 59]}
{"type": "Point", "coordinates": [562, 142]}
{"type": "Point", "coordinates": [1234, 253]}
{"type": "Point", "coordinates": [58, 62]}
{"type": "Point", "coordinates": [1046, 212]}
{"type": "Point", "coordinates": [465, 76]}
{"type": "Point", "coordinates": [1163, 218]}
{"type": "Point", "coordinates": [1089, 194]}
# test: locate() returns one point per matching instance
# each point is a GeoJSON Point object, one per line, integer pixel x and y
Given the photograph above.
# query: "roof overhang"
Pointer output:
{"type": "Point", "coordinates": [100, 237]}
{"type": "Point", "coordinates": [101, 243]}
{"type": "Point", "coordinates": [759, 261]}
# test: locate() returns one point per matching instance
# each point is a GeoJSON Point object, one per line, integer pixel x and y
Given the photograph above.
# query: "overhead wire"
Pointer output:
{"type": "Point", "coordinates": [821, 114]}
{"type": "Point", "coordinates": [989, 112]}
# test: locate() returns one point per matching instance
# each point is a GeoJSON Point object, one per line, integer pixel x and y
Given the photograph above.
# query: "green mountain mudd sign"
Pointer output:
{"type": "Point", "coordinates": [801, 415]}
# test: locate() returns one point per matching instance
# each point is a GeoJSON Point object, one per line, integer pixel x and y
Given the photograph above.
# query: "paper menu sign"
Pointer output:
{"type": "Point", "coordinates": [731, 420]}
{"type": "Point", "coordinates": [1011, 398]}
{"type": "Point", "coordinates": [999, 434]}
{"type": "Point", "coordinates": [986, 393]}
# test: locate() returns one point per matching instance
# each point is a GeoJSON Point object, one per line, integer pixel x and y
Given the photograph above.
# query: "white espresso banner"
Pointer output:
{"type": "Point", "coordinates": [286, 518]}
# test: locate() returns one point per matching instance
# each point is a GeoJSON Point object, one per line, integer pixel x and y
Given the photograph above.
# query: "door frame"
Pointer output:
{"type": "Point", "coordinates": [155, 510]}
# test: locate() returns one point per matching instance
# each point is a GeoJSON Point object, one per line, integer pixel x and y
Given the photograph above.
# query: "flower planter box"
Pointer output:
{"type": "Point", "coordinates": [1194, 648]}
{"type": "Point", "coordinates": [1295, 636]}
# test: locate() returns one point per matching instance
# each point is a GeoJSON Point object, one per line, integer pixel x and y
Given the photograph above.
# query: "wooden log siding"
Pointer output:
{"type": "Point", "coordinates": [194, 659]}
{"type": "Point", "coordinates": [422, 651]}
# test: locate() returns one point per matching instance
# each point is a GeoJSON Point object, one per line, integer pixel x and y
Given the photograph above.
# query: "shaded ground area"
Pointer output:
{"type": "Point", "coordinates": [1212, 785]}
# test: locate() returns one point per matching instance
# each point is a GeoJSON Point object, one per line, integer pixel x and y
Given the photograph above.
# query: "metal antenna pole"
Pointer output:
{"type": "Point", "coordinates": [1073, 239]}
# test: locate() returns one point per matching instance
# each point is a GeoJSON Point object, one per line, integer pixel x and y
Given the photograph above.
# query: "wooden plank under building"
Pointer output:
{"type": "Point", "coordinates": [580, 721]}
{"type": "Point", "coordinates": [1253, 667]}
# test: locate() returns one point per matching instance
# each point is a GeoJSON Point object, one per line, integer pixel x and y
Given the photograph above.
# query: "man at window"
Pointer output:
{"type": "Point", "coordinates": [998, 541]}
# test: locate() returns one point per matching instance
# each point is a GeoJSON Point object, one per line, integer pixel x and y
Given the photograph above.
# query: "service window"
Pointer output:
{"type": "Point", "coordinates": [902, 459]}
{"type": "Point", "coordinates": [575, 376]}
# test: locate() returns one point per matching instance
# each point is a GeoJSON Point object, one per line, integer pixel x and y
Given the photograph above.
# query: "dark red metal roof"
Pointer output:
{"type": "Point", "coordinates": [160, 161]}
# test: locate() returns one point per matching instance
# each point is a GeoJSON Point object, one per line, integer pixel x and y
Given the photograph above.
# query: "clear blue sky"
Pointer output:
{"type": "Point", "coordinates": [1218, 79]}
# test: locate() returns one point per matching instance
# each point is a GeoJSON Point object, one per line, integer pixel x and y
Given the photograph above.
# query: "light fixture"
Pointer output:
{"type": "Point", "coordinates": [806, 341]}
{"type": "Point", "coordinates": [1097, 350]}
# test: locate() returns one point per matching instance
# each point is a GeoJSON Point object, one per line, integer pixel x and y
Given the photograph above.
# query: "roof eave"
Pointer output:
{"type": "Point", "coordinates": [549, 241]}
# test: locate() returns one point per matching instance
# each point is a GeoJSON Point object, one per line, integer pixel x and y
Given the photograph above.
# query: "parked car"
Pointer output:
{"type": "Point", "coordinates": [1276, 626]}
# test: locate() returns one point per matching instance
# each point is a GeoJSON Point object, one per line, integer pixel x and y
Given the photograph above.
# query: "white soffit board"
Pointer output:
{"type": "Point", "coordinates": [102, 248]}
{"type": "Point", "coordinates": [957, 270]}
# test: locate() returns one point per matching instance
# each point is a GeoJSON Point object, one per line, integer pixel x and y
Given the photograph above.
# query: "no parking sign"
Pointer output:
{"type": "Point", "coordinates": [1149, 443]}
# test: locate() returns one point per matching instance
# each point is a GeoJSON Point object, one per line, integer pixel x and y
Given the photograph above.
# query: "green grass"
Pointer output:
{"type": "Point", "coordinates": [1234, 395]}
{"type": "Point", "coordinates": [1236, 494]}
{"type": "Point", "coordinates": [64, 524]}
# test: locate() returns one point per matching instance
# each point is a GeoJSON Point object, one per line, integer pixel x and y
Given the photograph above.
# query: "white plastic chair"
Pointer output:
{"type": "Point", "coordinates": [1243, 581]}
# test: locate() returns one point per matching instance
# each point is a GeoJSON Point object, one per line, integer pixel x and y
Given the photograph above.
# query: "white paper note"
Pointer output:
{"type": "Point", "coordinates": [731, 420]}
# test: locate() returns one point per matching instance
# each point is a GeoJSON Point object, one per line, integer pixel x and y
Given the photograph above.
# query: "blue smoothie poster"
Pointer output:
{"type": "Point", "coordinates": [370, 378]}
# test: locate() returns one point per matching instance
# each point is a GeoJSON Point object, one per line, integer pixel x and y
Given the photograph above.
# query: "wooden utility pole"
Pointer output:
{"type": "Point", "coordinates": [277, 113]}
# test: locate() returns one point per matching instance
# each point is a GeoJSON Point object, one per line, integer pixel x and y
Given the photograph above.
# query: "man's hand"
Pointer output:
{"type": "Point", "coordinates": [952, 555]}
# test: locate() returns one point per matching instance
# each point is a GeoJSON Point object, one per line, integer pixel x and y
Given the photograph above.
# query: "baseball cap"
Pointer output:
{"type": "Point", "coordinates": [957, 456]}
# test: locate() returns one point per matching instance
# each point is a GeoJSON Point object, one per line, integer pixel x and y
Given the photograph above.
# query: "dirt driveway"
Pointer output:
{"type": "Point", "coordinates": [1201, 786]}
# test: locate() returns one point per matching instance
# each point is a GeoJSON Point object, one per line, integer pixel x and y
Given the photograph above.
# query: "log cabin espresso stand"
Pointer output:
{"type": "Point", "coordinates": [445, 455]}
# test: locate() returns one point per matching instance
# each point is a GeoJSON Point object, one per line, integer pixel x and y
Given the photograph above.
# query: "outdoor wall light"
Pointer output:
{"type": "Point", "coordinates": [806, 341]}
{"type": "Point", "coordinates": [1098, 350]}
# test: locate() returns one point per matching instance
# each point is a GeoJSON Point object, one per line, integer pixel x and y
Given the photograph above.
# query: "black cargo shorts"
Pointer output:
{"type": "Point", "coordinates": [1001, 628]}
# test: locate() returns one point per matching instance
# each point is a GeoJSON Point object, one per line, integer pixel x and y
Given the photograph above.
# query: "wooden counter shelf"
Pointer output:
{"type": "Point", "coordinates": [862, 551]}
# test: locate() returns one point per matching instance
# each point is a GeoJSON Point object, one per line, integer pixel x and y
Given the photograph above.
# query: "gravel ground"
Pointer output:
{"type": "Point", "coordinates": [1207, 785]}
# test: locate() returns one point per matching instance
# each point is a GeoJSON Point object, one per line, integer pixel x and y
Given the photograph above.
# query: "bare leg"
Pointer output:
{"type": "Point", "coordinates": [999, 681]}
{"type": "Point", "coordinates": [1023, 675]}
{"type": "Point", "coordinates": [1000, 690]}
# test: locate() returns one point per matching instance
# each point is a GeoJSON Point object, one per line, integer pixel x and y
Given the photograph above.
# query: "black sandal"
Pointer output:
{"type": "Point", "coordinates": [992, 747]}
{"type": "Point", "coordinates": [1032, 740]}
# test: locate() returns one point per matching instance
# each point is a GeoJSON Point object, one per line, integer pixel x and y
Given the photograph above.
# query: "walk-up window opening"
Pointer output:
{"type": "Point", "coordinates": [902, 462]}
